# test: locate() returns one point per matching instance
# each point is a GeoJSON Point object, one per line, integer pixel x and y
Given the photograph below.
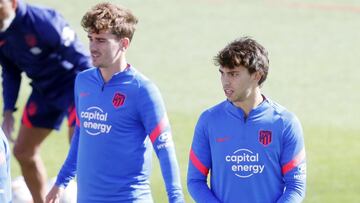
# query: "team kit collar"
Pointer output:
{"type": "Point", "coordinates": [129, 70]}
{"type": "Point", "coordinates": [15, 20]}
{"type": "Point", "coordinates": [19, 14]}
{"type": "Point", "coordinates": [253, 114]}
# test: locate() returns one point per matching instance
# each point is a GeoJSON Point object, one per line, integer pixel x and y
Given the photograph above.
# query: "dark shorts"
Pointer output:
{"type": "Point", "coordinates": [42, 113]}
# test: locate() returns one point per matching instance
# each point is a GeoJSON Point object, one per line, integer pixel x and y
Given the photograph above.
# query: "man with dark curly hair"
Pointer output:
{"type": "Point", "coordinates": [121, 115]}
{"type": "Point", "coordinates": [252, 146]}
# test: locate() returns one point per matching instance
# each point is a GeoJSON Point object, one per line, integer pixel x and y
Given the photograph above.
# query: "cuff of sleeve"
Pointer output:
{"type": "Point", "coordinates": [13, 109]}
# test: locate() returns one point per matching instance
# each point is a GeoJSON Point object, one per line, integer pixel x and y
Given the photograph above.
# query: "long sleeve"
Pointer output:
{"type": "Point", "coordinates": [153, 114]}
{"type": "Point", "coordinates": [68, 170]}
{"type": "Point", "coordinates": [293, 163]}
{"type": "Point", "coordinates": [199, 166]}
{"type": "Point", "coordinates": [11, 82]}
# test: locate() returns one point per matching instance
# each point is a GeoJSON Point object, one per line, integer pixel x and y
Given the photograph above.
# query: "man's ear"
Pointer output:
{"type": "Point", "coordinates": [258, 75]}
{"type": "Point", "coordinates": [125, 43]}
{"type": "Point", "coordinates": [14, 4]}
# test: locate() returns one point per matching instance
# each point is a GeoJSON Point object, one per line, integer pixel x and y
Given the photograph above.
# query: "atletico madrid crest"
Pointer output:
{"type": "Point", "coordinates": [265, 137]}
{"type": "Point", "coordinates": [30, 40]}
{"type": "Point", "coordinates": [118, 100]}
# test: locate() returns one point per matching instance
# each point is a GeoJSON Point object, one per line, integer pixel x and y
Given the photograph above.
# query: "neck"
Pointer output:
{"type": "Point", "coordinates": [251, 102]}
{"type": "Point", "coordinates": [118, 66]}
{"type": "Point", "coordinates": [7, 22]}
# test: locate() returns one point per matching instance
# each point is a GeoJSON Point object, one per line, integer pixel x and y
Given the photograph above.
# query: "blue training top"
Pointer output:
{"type": "Point", "coordinates": [40, 43]}
{"type": "Point", "coordinates": [258, 159]}
{"type": "Point", "coordinates": [5, 177]}
{"type": "Point", "coordinates": [111, 152]}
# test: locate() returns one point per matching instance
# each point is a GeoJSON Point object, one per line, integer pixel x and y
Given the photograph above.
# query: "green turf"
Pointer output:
{"type": "Point", "coordinates": [314, 50]}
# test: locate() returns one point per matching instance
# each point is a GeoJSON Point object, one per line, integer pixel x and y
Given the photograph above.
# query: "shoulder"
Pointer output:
{"type": "Point", "coordinates": [46, 20]}
{"type": "Point", "coordinates": [88, 73]}
{"type": "Point", "coordinates": [141, 79]}
{"type": "Point", "coordinates": [143, 83]}
{"type": "Point", "coordinates": [42, 14]}
{"type": "Point", "coordinates": [213, 112]}
{"type": "Point", "coordinates": [281, 113]}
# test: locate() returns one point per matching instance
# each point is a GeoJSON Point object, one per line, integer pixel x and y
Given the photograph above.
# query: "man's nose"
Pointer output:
{"type": "Point", "coordinates": [92, 45]}
{"type": "Point", "coordinates": [225, 80]}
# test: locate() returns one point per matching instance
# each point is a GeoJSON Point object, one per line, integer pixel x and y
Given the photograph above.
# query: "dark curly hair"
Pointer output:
{"type": "Point", "coordinates": [244, 52]}
{"type": "Point", "coordinates": [106, 16]}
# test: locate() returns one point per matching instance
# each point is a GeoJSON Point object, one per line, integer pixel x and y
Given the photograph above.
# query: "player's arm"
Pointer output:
{"type": "Point", "coordinates": [11, 80]}
{"type": "Point", "coordinates": [199, 165]}
{"type": "Point", "coordinates": [11, 76]}
{"type": "Point", "coordinates": [153, 115]}
{"type": "Point", "coordinates": [67, 172]}
{"type": "Point", "coordinates": [293, 162]}
{"type": "Point", "coordinates": [63, 41]}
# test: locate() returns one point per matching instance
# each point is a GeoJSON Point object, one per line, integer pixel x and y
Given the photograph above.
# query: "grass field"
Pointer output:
{"type": "Point", "coordinates": [314, 69]}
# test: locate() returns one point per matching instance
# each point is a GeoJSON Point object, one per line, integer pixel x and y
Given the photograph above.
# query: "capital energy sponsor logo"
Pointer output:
{"type": "Point", "coordinates": [165, 140]}
{"type": "Point", "coordinates": [95, 120]}
{"type": "Point", "coordinates": [300, 174]}
{"type": "Point", "coordinates": [244, 163]}
{"type": "Point", "coordinates": [35, 50]}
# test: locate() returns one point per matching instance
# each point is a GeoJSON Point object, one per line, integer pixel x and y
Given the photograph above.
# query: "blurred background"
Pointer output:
{"type": "Point", "coordinates": [314, 48]}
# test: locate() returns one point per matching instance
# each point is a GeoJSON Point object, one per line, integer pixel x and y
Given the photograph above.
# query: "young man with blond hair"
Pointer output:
{"type": "Point", "coordinates": [120, 116]}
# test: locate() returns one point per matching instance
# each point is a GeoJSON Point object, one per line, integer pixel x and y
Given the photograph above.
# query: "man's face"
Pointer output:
{"type": "Point", "coordinates": [7, 10]}
{"type": "Point", "coordinates": [105, 48]}
{"type": "Point", "coordinates": [238, 84]}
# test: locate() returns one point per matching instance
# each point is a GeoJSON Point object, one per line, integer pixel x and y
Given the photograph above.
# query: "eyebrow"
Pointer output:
{"type": "Point", "coordinates": [89, 36]}
{"type": "Point", "coordinates": [231, 71]}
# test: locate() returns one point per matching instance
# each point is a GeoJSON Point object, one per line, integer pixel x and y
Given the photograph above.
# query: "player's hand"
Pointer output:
{"type": "Point", "coordinates": [54, 195]}
{"type": "Point", "coordinates": [8, 125]}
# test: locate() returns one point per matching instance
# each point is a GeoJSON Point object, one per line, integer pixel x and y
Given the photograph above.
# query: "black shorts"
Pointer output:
{"type": "Point", "coordinates": [42, 113]}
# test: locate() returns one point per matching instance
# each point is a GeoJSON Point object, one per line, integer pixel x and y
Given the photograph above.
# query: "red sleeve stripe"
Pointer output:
{"type": "Point", "coordinates": [294, 163]}
{"type": "Point", "coordinates": [158, 129]}
{"type": "Point", "coordinates": [77, 120]}
{"type": "Point", "coordinates": [197, 163]}
{"type": "Point", "coordinates": [72, 117]}
{"type": "Point", "coordinates": [25, 119]}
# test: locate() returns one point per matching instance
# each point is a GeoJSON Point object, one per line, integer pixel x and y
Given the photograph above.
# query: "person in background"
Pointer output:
{"type": "Point", "coordinates": [37, 41]}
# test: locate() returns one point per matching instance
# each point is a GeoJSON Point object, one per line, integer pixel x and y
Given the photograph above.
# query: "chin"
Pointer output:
{"type": "Point", "coordinates": [229, 99]}
{"type": "Point", "coordinates": [97, 65]}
